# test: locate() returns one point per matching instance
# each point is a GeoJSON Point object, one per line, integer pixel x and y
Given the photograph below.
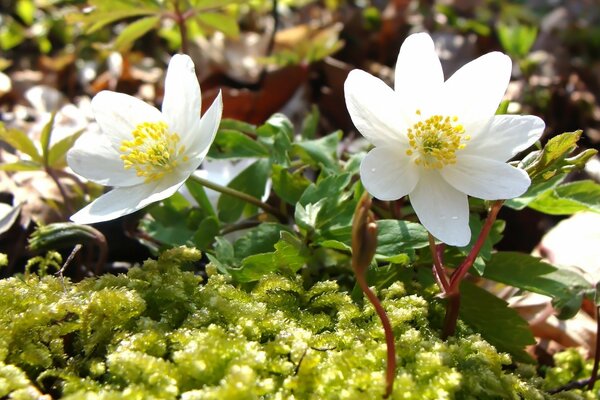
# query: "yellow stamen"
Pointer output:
{"type": "Point", "coordinates": [436, 140]}
{"type": "Point", "coordinates": [153, 151]}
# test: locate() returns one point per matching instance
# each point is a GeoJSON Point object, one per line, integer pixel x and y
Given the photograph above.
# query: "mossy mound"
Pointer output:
{"type": "Point", "coordinates": [158, 333]}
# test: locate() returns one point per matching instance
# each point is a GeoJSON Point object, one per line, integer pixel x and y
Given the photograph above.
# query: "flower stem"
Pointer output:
{"type": "Point", "coordinates": [453, 293]}
{"type": "Point", "coordinates": [180, 19]}
{"type": "Point", "coordinates": [390, 372]}
{"type": "Point", "coordinates": [66, 201]}
{"type": "Point", "coordinates": [462, 270]}
{"type": "Point", "coordinates": [240, 195]}
{"type": "Point", "coordinates": [438, 268]}
{"type": "Point", "coordinates": [594, 376]}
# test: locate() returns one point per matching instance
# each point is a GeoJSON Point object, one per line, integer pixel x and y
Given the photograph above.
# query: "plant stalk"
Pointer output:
{"type": "Point", "coordinates": [390, 371]}
{"type": "Point", "coordinates": [594, 375]}
{"type": "Point", "coordinates": [240, 195]}
{"type": "Point", "coordinates": [453, 292]}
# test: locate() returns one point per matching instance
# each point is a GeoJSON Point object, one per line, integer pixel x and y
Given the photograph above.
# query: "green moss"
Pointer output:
{"type": "Point", "coordinates": [159, 333]}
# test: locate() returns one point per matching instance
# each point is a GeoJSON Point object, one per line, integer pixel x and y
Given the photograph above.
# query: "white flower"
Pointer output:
{"type": "Point", "coordinates": [440, 141]}
{"type": "Point", "coordinates": [145, 154]}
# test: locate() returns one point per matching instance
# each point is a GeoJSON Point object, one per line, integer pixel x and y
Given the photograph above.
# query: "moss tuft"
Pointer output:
{"type": "Point", "coordinates": [159, 333]}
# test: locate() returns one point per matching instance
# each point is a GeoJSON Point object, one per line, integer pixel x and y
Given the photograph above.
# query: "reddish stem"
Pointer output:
{"type": "Point", "coordinates": [453, 293]}
{"type": "Point", "coordinates": [462, 270]}
{"type": "Point", "coordinates": [438, 268]}
{"type": "Point", "coordinates": [594, 376]}
{"type": "Point", "coordinates": [389, 335]}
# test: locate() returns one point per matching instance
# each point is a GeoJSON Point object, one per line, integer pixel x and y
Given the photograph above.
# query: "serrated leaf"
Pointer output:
{"type": "Point", "coordinates": [321, 153]}
{"type": "Point", "coordinates": [251, 181]}
{"type": "Point", "coordinates": [206, 233]}
{"type": "Point", "coordinates": [310, 123]}
{"type": "Point", "coordinates": [529, 273]}
{"type": "Point", "coordinates": [134, 31]}
{"type": "Point", "coordinates": [288, 257]}
{"type": "Point", "coordinates": [234, 144]}
{"type": "Point", "coordinates": [220, 22]}
{"type": "Point", "coordinates": [329, 187]}
{"type": "Point", "coordinates": [287, 185]}
{"type": "Point", "coordinates": [235, 125]}
{"type": "Point", "coordinates": [21, 142]}
{"type": "Point", "coordinates": [500, 325]}
{"type": "Point", "coordinates": [277, 123]}
{"type": "Point", "coordinates": [257, 240]}
{"type": "Point", "coordinates": [58, 152]}
{"type": "Point", "coordinates": [552, 159]}
{"type": "Point", "coordinates": [395, 237]}
{"type": "Point", "coordinates": [533, 192]}
{"type": "Point", "coordinates": [569, 198]}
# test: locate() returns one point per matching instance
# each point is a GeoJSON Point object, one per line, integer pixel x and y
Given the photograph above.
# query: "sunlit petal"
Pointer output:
{"type": "Point", "coordinates": [182, 101]}
{"type": "Point", "coordinates": [486, 178]}
{"type": "Point", "coordinates": [374, 108]}
{"type": "Point", "coordinates": [419, 74]}
{"type": "Point", "coordinates": [506, 136]}
{"type": "Point", "coordinates": [386, 175]}
{"type": "Point", "coordinates": [443, 210]}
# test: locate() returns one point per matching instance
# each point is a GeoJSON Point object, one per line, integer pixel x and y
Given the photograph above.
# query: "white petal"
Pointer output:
{"type": "Point", "coordinates": [182, 101]}
{"type": "Point", "coordinates": [119, 114]}
{"type": "Point", "coordinates": [419, 74]}
{"type": "Point", "coordinates": [506, 136]}
{"type": "Point", "coordinates": [93, 157]}
{"type": "Point", "coordinates": [199, 143]}
{"type": "Point", "coordinates": [126, 200]}
{"type": "Point", "coordinates": [474, 92]}
{"type": "Point", "coordinates": [374, 108]}
{"type": "Point", "coordinates": [486, 179]}
{"type": "Point", "coordinates": [114, 204]}
{"type": "Point", "coordinates": [443, 210]}
{"type": "Point", "coordinates": [388, 174]}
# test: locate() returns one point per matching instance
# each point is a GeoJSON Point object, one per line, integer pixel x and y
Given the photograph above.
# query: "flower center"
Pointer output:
{"type": "Point", "coordinates": [435, 141]}
{"type": "Point", "coordinates": [153, 152]}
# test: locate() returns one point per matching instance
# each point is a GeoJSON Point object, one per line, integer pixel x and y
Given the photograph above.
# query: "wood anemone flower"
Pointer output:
{"type": "Point", "coordinates": [438, 141]}
{"type": "Point", "coordinates": [143, 153]}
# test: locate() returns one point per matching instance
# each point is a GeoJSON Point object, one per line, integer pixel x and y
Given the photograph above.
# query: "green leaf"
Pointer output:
{"type": "Point", "coordinates": [321, 153]}
{"type": "Point", "coordinates": [517, 39]}
{"type": "Point", "coordinates": [277, 123]}
{"type": "Point", "coordinates": [135, 31]}
{"type": "Point", "coordinates": [234, 144]}
{"type": "Point", "coordinates": [25, 9]}
{"type": "Point", "coordinates": [529, 273]}
{"type": "Point", "coordinates": [397, 237]}
{"type": "Point", "coordinates": [220, 22]}
{"type": "Point", "coordinates": [45, 137]}
{"type": "Point", "coordinates": [24, 165]}
{"type": "Point", "coordinates": [327, 188]}
{"type": "Point", "coordinates": [288, 257]}
{"type": "Point", "coordinates": [569, 198]}
{"type": "Point", "coordinates": [495, 321]}
{"type": "Point", "coordinates": [58, 152]}
{"type": "Point", "coordinates": [251, 181]}
{"type": "Point", "coordinates": [99, 19]}
{"type": "Point", "coordinates": [257, 240]}
{"type": "Point", "coordinates": [533, 192]}
{"type": "Point", "coordinates": [199, 194]}
{"type": "Point", "coordinates": [288, 186]}
{"type": "Point", "coordinates": [552, 159]}
{"type": "Point", "coordinates": [206, 233]}
{"type": "Point", "coordinates": [235, 125]}
{"type": "Point", "coordinates": [310, 124]}
{"type": "Point", "coordinates": [21, 142]}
